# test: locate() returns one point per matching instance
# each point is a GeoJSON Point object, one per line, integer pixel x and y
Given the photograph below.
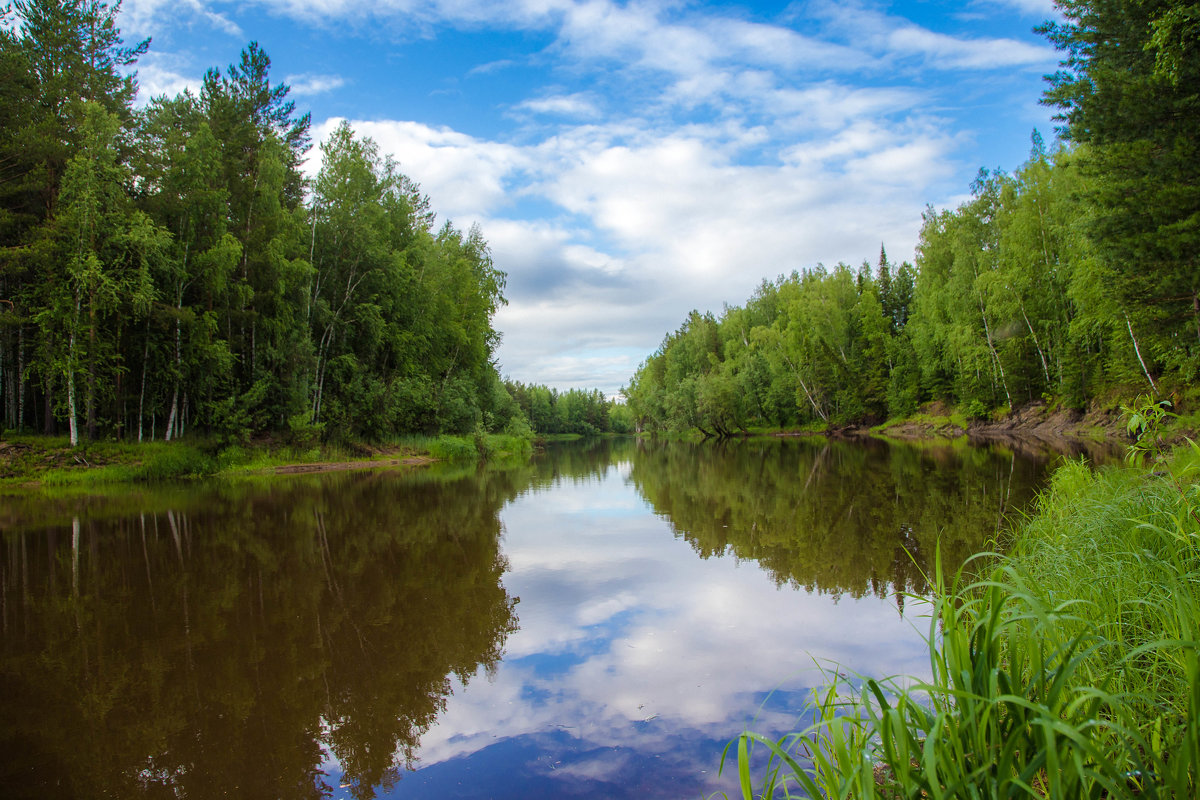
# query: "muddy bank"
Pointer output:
{"type": "Point", "coordinates": [1032, 428]}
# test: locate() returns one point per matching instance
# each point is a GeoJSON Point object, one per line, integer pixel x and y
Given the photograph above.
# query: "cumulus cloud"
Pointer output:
{"type": "Point", "coordinates": [467, 177]}
{"type": "Point", "coordinates": [638, 225]}
{"type": "Point", "coordinates": [678, 156]}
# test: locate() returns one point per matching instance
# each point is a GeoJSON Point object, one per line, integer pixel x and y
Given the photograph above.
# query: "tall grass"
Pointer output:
{"type": "Point", "coordinates": [155, 461]}
{"type": "Point", "coordinates": [1073, 671]}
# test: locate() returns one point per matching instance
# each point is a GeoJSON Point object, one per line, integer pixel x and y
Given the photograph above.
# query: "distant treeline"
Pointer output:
{"type": "Point", "coordinates": [1075, 278]}
{"type": "Point", "coordinates": [576, 411]}
{"type": "Point", "coordinates": [169, 269]}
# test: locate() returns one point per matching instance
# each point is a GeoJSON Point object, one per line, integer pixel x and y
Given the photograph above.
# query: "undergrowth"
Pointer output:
{"type": "Point", "coordinates": [53, 463]}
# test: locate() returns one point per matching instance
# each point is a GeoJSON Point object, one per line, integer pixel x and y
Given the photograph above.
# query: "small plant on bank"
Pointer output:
{"type": "Point", "coordinates": [1144, 420]}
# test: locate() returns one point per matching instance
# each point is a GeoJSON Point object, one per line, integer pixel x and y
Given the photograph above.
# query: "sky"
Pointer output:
{"type": "Point", "coordinates": [631, 161]}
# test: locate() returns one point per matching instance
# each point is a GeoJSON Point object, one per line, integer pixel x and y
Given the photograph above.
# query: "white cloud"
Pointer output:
{"type": "Point", "coordinates": [779, 46]}
{"type": "Point", "coordinates": [1042, 9]}
{"type": "Point", "coordinates": [577, 105]}
{"type": "Point", "coordinates": [309, 84]}
{"type": "Point", "coordinates": [150, 17]}
{"type": "Point", "coordinates": [466, 178]}
{"type": "Point", "coordinates": [166, 74]}
{"type": "Point", "coordinates": [729, 151]}
{"type": "Point", "coordinates": [894, 38]}
{"type": "Point", "coordinates": [949, 52]}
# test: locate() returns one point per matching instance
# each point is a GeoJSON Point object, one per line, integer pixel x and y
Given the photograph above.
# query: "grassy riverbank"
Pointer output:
{"type": "Point", "coordinates": [1072, 672]}
{"type": "Point", "coordinates": [27, 461]}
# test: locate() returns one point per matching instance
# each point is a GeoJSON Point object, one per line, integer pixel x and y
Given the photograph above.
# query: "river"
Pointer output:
{"type": "Point", "coordinates": [597, 623]}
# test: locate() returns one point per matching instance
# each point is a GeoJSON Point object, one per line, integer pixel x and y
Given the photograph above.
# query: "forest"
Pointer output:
{"type": "Point", "coordinates": [169, 269]}
{"type": "Point", "coordinates": [1073, 280]}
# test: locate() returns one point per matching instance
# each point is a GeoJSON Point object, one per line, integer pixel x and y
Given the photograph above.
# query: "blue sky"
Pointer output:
{"type": "Point", "coordinates": [631, 161]}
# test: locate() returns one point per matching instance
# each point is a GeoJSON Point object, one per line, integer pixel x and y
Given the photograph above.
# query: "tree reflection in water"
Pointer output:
{"type": "Point", "coordinates": [220, 643]}
{"type": "Point", "coordinates": [841, 518]}
{"type": "Point", "coordinates": [248, 639]}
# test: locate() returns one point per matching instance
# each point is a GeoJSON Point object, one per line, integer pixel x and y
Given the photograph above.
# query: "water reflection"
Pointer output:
{"type": "Point", "coordinates": [636, 661]}
{"type": "Point", "coordinates": [320, 636]}
{"type": "Point", "coordinates": [224, 646]}
{"type": "Point", "coordinates": [835, 517]}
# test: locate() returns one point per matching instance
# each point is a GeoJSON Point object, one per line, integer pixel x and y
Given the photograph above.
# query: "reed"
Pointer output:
{"type": "Point", "coordinates": [1072, 671]}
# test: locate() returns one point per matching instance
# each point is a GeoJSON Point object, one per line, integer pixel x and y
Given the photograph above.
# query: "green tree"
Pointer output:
{"type": "Point", "coordinates": [57, 57]}
{"type": "Point", "coordinates": [1129, 93]}
{"type": "Point", "coordinates": [107, 249]}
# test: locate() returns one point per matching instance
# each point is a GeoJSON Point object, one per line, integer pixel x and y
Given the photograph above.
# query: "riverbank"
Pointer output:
{"type": "Point", "coordinates": [32, 462]}
{"type": "Point", "coordinates": [1035, 427]}
{"type": "Point", "coordinates": [1073, 667]}
{"type": "Point", "coordinates": [1037, 420]}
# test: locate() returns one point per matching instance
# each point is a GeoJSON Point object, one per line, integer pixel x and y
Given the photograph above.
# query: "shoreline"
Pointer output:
{"type": "Point", "coordinates": [1031, 424]}
{"type": "Point", "coordinates": [341, 466]}
{"type": "Point", "coordinates": [27, 463]}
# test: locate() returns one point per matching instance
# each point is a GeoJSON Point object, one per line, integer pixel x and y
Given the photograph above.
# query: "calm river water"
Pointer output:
{"type": "Point", "coordinates": [599, 622]}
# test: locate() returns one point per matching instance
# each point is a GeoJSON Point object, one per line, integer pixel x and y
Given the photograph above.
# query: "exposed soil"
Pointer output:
{"type": "Point", "coordinates": [1034, 427]}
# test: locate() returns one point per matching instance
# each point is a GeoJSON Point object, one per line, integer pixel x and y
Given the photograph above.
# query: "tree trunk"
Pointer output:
{"type": "Point", "coordinates": [142, 394]}
{"type": "Point", "coordinates": [1138, 351]}
{"type": "Point", "coordinates": [90, 403]}
{"type": "Point", "coordinates": [808, 394]}
{"type": "Point", "coordinates": [47, 406]}
{"type": "Point", "coordinates": [987, 330]}
{"type": "Point", "coordinates": [20, 377]}
{"type": "Point", "coordinates": [171, 417]}
{"type": "Point", "coordinates": [1196, 313]}
{"type": "Point", "coordinates": [71, 407]}
{"type": "Point", "coordinates": [178, 361]}
{"type": "Point", "coordinates": [1041, 355]}
{"type": "Point", "coordinates": [73, 426]}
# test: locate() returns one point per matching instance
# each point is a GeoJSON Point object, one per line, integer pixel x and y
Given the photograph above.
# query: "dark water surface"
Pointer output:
{"type": "Point", "coordinates": [597, 623]}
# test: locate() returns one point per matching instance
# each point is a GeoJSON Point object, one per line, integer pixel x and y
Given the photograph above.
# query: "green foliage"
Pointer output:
{"type": "Point", "coordinates": [158, 462]}
{"type": "Point", "coordinates": [1144, 421]}
{"type": "Point", "coordinates": [1071, 672]}
{"type": "Point", "coordinates": [1128, 92]}
{"type": "Point", "coordinates": [547, 411]}
{"type": "Point", "coordinates": [1011, 301]}
{"type": "Point", "coordinates": [179, 461]}
{"type": "Point", "coordinates": [165, 271]}
{"type": "Point", "coordinates": [811, 347]}
{"type": "Point", "coordinates": [302, 430]}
